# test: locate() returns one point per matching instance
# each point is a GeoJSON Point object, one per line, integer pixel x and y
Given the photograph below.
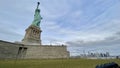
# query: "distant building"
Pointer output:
{"type": "Point", "coordinates": [31, 46]}
{"type": "Point", "coordinates": [99, 54]}
{"type": "Point", "coordinates": [96, 55]}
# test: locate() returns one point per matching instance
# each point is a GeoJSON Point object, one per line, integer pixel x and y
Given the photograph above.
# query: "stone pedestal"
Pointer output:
{"type": "Point", "coordinates": [32, 36]}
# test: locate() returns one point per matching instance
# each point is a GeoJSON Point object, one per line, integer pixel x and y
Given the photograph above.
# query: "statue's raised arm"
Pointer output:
{"type": "Point", "coordinates": [38, 3]}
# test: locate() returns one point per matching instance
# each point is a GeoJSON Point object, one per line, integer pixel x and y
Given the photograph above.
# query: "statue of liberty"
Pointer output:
{"type": "Point", "coordinates": [37, 17]}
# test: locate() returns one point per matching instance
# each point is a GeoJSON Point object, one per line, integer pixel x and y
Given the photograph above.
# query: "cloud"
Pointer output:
{"type": "Point", "coordinates": [109, 44]}
{"type": "Point", "coordinates": [118, 33]}
{"type": "Point", "coordinates": [10, 35]}
{"type": "Point", "coordinates": [66, 34]}
{"type": "Point", "coordinates": [108, 41]}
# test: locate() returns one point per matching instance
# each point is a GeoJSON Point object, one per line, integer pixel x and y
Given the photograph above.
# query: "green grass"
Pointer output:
{"type": "Point", "coordinates": [54, 63]}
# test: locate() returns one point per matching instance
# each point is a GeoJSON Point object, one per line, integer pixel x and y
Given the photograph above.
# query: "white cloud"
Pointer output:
{"type": "Point", "coordinates": [108, 41]}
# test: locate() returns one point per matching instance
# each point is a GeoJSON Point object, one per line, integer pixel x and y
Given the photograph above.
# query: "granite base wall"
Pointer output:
{"type": "Point", "coordinates": [10, 50]}
{"type": "Point", "coordinates": [47, 52]}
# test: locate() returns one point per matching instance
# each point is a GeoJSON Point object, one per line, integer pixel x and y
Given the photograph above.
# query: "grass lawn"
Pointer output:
{"type": "Point", "coordinates": [55, 63]}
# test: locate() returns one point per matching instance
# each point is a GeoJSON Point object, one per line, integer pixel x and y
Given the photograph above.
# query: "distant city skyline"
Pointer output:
{"type": "Point", "coordinates": [82, 25]}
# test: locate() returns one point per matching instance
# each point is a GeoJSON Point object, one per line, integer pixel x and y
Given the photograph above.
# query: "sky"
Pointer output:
{"type": "Point", "coordinates": [82, 25]}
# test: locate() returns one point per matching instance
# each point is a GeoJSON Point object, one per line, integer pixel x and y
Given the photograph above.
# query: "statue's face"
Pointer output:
{"type": "Point", "coordinates": [37, 10]}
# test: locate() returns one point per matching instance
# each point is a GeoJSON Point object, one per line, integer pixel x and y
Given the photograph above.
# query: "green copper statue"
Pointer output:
{"type": "Point", "coordinates": [37, 17]}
